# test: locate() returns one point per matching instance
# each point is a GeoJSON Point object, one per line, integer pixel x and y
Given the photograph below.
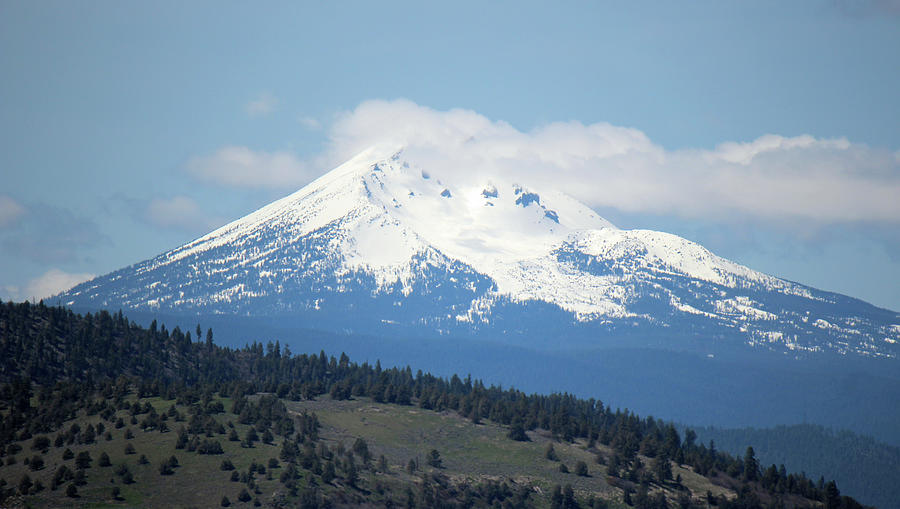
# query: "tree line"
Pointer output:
{"type": "Point", "coordinates": [42, 348]}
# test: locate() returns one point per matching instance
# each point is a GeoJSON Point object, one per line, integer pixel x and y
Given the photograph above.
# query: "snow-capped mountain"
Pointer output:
{"type": "Point", "coordinates": [380, 243]}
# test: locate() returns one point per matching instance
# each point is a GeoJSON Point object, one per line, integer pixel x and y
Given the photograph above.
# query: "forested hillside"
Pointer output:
{"type": "Point", "coordinates": [58, 367]}
{"type": "Point", "coordinates": [861, 465]}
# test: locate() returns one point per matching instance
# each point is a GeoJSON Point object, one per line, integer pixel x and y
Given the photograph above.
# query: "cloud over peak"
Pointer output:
{"type": "Point", "coordinates": [771, 177]}
{"type": "Point", "coordinates": [822, 181]}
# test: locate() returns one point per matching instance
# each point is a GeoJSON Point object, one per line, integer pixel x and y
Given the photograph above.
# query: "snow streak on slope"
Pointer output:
{"type": "Point", "coordinates": [380, 233]}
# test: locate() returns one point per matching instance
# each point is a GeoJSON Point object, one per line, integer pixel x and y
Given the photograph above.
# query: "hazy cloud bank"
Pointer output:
{"type": "Point", "coordinates": [10, 211]}
{"type": "Point", "coordinates": [46, 285]}
{"type": "Point", "coordinates": [262, 105]}
{"type": "Point", "coordinates": [242, 167]}
{"type": "Point", "coordinates": [819, 181]}
{"type": "Point", "coordinates": [180, 213]}
{"type": "Point", "coordinates": [48, 234]}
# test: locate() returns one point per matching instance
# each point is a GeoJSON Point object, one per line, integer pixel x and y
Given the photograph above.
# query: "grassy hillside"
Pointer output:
{"type": "Point", "coordinates": [471, 455]}
{"type": "Point", "coordinates": [95, 410]}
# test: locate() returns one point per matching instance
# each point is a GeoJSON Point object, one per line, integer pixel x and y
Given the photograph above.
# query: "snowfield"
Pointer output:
{"type": "Point", "coordinates": [381, 227]}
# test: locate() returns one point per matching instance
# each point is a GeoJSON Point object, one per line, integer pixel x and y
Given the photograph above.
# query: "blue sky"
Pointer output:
{"type": "Point", "coordinates": [766, 131]}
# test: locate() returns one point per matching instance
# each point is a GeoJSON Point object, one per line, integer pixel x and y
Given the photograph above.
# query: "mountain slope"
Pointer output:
{"type": "Point", "coordinates": [380, 243]}
{"type": "Point", "coordinates": [280, 426]}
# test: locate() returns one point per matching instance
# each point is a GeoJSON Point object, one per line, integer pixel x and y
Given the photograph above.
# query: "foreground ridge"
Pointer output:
{"type": "Point", "coordinates": [153, 386]}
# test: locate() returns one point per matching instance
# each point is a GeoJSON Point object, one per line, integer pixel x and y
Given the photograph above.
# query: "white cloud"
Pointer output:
{"type": "Point", "coordinates": [10, 211]}
{"type": "Point", "coordinates": [242, 167]}
{"type": "Point", "coordinates": [310, 123]}
{"type": "Point", "coordinates": [262, 105]}
{"type": "Point", "coordinates": [772, 177]}
{"type": "Point", "coordinates": [818, 181]}
{"type": "Point", "coordinates": [50, 283]}
{"type": "Point", "coordinates": [179, 212]}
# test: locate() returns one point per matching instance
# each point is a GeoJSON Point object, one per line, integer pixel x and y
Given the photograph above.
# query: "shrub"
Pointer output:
{"type": "Point", "coordinates": [550, 453]}
{"type": "Point", "coordinates": [581, 469]}
{"type": "Point", "coordinates": [36, 463]}
{"type": "Point", "coordinates": [434, 459]}
{"type": "Point", "coordinates": [83, 460]}
{"type": "Point", "coordinates": [40, 443]}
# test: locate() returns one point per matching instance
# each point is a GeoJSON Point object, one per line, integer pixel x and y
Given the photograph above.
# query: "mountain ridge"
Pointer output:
{"type": "Point", "coordinates": [396, 245]}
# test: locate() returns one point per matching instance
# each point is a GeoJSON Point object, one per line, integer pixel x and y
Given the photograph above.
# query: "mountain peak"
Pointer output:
{"type": "Point", "coordinates": [447, 250]}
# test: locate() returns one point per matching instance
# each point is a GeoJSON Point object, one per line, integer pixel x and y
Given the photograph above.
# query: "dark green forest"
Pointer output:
{"type": "Point", "coordinates": [56, 363]}
{"type": "Point", "coordinates": [862, 465]}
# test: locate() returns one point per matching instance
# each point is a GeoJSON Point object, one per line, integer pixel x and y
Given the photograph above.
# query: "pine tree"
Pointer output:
{"type": "Point", "coordinates": [517, 432]}
{"type": "Point", "coordinates": [329, 473]}
{"type": "Point", "coordinates": [550, 453]}
{"type": "Point", "coordinates": [556, 497]}
{"type": "Point", "coordinates": [832, 496]}
{"type": "Point", "coordinates": [25, 485]}
{"type": "Point", "coordinates": [569, 498]}
{"type": "Point", "coordinates": [751, 465]}
{"type": "Point", "coordinates": [352, 474]}
{"type": "Point", "coordinates": [662, 468]}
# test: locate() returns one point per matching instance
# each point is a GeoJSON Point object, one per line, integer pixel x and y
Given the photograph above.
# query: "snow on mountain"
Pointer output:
{"type": "Point", "coordinates": [387, 241]}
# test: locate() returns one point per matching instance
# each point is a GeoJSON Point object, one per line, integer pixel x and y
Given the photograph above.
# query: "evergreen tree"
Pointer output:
{"type": "Point", "coordinates": [832, 496]}
{"type": "Point", "coordinates": [751, 465]}
{"type": "Point", "coordinates": [569, 498]}
{"type": "Point", "coordinates": [517, 432]}
{"type": "Point", "coordinates": [434, 459]}
{"type": "Point", "coordinates": [328, 474]}
{"type": "Point", "coordinates": [556, 497]}
{"type": "Point", "coordinates": [550, 453]}
{"type": "Point", "coordinates": [25, 485]}
{"type": "Point", "coordinates": [83, 460]}
{"type": "Point", "coordinates": [352, 474]}
{"type": "Point", "coordinates": [662, 468]}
